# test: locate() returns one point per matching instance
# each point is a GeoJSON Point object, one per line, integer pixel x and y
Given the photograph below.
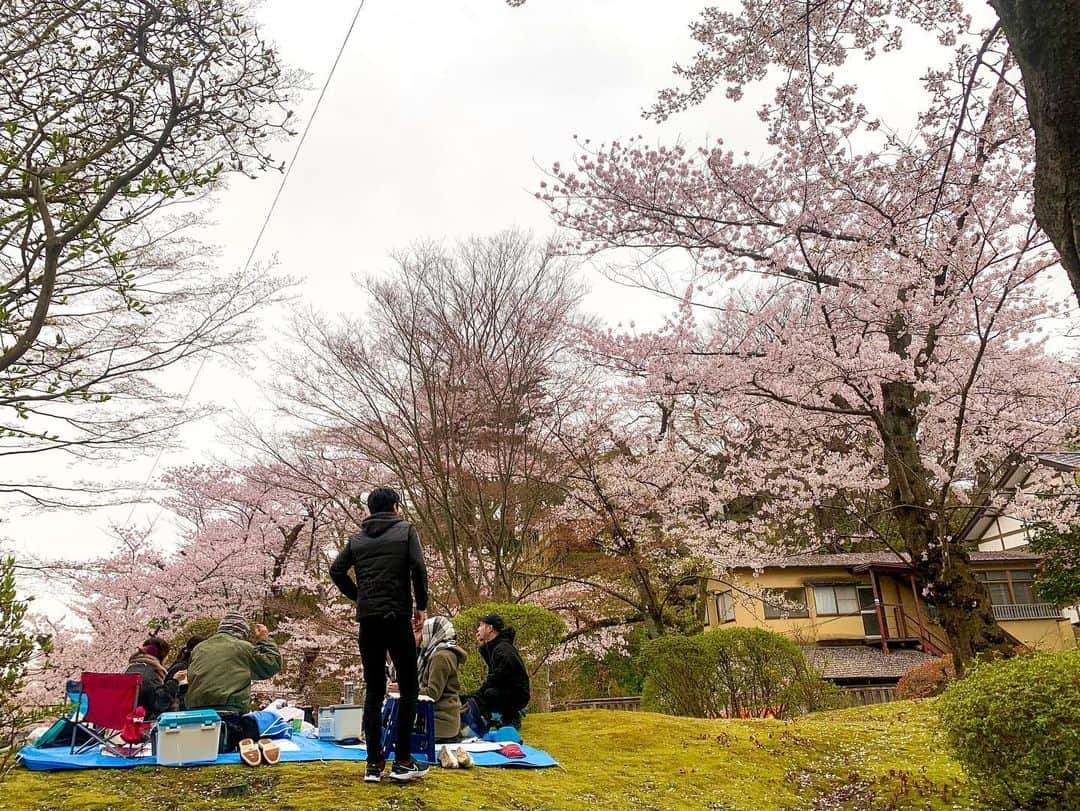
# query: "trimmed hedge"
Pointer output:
{"type": "Point", "coordinates": [1015, 727]}
{"type": "Point", "coordinates": [538, 633]}
{"type": "Point", "coordinates": [201, 626]}
{"type": "Point", "coordinates": [732, 672]}
{"type": "Point", "coordinates": [928, 679]}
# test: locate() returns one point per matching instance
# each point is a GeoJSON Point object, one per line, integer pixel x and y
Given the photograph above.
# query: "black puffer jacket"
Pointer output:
{"type": "Point", "coordinates": [506, 671]}
{"type": "Point", "coordinates": [385, 557]}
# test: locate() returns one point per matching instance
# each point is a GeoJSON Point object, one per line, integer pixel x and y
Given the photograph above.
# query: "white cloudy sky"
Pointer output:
{"type": "Point", "coordinates": [438, 123]}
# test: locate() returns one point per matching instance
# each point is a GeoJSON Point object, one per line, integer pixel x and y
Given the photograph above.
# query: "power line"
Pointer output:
{"type": "Point", "coordinates": [258, 238]}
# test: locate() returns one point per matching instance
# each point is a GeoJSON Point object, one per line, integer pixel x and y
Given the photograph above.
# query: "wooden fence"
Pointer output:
{"type": "Point", "coordinates": [857, 696]}
{"type": "Point", "coordinates": [631, 703]}
{"type": "Point", "coordinates": [878, 694]}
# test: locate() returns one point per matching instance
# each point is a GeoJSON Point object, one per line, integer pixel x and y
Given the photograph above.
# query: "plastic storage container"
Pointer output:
{"type": "Point", "coordinates": [186, 737]}
{"type": "Point", "coordinates": [341, 722]}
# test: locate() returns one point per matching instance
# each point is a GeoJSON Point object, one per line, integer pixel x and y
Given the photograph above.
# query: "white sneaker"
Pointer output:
{"type": "Point", "coordinates": [464, 759]}
{"type": "Point", "coordinates": [447, 759]}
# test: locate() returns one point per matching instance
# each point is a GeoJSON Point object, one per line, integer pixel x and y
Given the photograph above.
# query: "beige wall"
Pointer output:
{"type": "Point", "coordinates": [750, 613]}
{"type": "Point", "coordinates": [1043, 634]}
{"type": "Point", "coordinates": [1005, 532]}
{"type": "Point", "coordinates": [895, 590]}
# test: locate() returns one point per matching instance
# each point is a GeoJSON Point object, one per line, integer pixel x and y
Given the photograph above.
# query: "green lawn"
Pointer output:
{"type": "Point", "coordinates": [868, 758]}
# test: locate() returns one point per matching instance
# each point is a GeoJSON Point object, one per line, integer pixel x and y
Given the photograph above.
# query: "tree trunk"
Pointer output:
{"type": "Point", "coordinates": [1044, 35]}
{"type": "Point", "coordinates": [941, 566]}
{"type": "Point", "coordinates": [962, 603]}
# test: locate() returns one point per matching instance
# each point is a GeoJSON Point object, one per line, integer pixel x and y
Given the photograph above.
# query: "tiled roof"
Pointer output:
{"type": "Point", "coordinates": [840, 559]}
{"type": "Point", "coordinates": [847, 560]}
{"type": "Point", "coordinates": [1069, 460]}
{"type": "Point", "coordinates": [864, 661]}
{"type": "Point", "coordinates": [1005, 554]}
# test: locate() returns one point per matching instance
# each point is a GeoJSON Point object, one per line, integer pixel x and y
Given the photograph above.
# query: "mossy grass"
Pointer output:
{"type": "Point", "coordinates": [885, 757]}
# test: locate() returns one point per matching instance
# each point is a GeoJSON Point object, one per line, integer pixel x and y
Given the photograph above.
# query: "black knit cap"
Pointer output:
{"type": "Point", "coordinates": [494, 620]}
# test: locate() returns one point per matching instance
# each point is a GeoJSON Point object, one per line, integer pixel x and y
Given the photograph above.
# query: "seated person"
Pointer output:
{"type": "Point", "coordinates": [221, 671]}
{"type": "Point", "coordinates": [438, 660]}
{"type": "Point", "coordinates": [178, 669]}
{"type": "Point", "coordinates": [157, 692]}
{"type": "Point", "coordinates": [505, 691]}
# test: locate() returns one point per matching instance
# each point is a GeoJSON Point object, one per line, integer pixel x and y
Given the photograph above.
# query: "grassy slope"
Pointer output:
{"type": "Point", "coordinates": [885, 757]}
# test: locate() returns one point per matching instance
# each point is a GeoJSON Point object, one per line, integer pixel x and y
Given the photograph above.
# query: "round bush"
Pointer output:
{"type": "Point", "coordinates": [538, 633]}
{"type": "Point", "coordinates": [928, 679]}
{"type": "Point", "coordinates": [681, 676]}
{"type": "Point", "coordinates": [201, 626]}
{"type": "Point", "coordinates": [1015, 727]}
{"type": "Point", "coordinates": [731, 672]}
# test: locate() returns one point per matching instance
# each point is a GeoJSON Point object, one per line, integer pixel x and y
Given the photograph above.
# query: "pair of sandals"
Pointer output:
{"type": "Point", "coordinates": [253, 753]}
{"type": "Point", "coordinates": [459, 759]}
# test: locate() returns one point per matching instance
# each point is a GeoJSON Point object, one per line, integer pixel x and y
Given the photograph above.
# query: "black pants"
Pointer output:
{"type": "Point", "coordinates": [378, 636]}
{"type": "Point", "coordinates": [507, 703]}
{"type": "Point", "coordinates": [234, 728]}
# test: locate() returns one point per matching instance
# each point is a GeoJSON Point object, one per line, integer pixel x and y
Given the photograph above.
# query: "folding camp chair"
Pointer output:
{"type": "Point", "coordinates": [74, 698]}
{"type": "Point", "coordinates": [111, 701]}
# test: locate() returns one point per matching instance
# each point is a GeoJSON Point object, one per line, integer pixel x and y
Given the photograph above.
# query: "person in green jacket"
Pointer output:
{"type": "Point", "coordinates": [438, 662]}
{"type": "Point", "coordinates": [222, 668]}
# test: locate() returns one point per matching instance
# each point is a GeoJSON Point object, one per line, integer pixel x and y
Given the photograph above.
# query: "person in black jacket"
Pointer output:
{"type": "Point", "coordinates": [386, 558]}
{"type": "Point", "coordinates": [157, 692]}
{"type": "Point", "coordinates": [178, 669]}
{"type": "Point", "coordinates": [505, 691]}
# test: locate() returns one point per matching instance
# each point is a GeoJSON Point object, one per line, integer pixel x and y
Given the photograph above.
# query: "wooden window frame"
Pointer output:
{"type": "Point", "coordinates": [721, 617]}
{"type": "Point", "coordinates": [1006, 577]}
{"type": "Point", "coordinates": [785, 614]}
{"type": "Point", "coordinates": [837, 612]}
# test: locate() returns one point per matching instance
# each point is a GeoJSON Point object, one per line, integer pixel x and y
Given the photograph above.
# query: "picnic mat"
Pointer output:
{"type": "Point", "coordinates": [295, 751]}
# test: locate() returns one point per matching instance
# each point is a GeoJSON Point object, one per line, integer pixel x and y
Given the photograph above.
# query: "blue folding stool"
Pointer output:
{"type": "Point", "coordinates": [423, 735]}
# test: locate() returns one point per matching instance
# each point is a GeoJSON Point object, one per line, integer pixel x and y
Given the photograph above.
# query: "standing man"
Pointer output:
{"type": "Point", "coordinates": [386, 559]}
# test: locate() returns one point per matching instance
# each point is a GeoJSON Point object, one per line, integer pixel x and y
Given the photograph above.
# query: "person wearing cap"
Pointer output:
{"type": "Point", "coordinates": [505, 691]}
{"type": "Point", "coordinates": [387, 563]}
{"type": "Point", "coordinates": [157, 691]}
{"type": "Point", "coordinates": [222, 668]}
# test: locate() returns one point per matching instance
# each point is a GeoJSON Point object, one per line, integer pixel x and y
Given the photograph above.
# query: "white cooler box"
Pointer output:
{"type": "Point", "coordinates": [341, 722]}
{"type": "Point", "coordinates": [187, 737]}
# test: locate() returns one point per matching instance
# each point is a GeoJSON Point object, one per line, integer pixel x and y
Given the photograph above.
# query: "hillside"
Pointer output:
{"type": "Point", "coordinates": [883, 757]}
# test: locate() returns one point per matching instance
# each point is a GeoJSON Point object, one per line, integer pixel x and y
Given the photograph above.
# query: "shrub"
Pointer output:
{"type": "Point", "coordinates": [681, 676]}
{"type": "Point", "coordinates": [538, 633]}
{"type": "Point", "coordinates": [200, 626]}
{"type": "Point", "coordinates": [18, 650]}
{"type": "Point", "coordinates": [731, 672]}
{"type": "Point", "coordinates": [928, 679]}
{"type": "Point", "coordinates": [1015, 727]}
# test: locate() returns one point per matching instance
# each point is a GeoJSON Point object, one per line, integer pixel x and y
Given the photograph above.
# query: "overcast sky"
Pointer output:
{"type": "Point", "coordinates": [438, 124]}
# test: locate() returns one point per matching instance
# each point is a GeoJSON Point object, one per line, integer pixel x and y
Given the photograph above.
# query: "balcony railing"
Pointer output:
{"type": "Point", "coordinates": [1027, 611]}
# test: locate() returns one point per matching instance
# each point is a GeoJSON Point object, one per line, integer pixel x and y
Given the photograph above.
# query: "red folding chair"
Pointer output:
{"type": "Point", "coordinates": [111, 701]}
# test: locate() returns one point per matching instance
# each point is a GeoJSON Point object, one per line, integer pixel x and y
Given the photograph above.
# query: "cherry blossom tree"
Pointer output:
{"type": "Point", "coordinates": [880, 326]}
{"type": "Point", "coordinates": [254, 540]}
{"type": "Point", "coordinates": [1041, 33]}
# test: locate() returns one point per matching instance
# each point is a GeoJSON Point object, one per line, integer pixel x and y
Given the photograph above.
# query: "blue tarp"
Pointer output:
{"type": "Point", "coordinates": [58, 758]}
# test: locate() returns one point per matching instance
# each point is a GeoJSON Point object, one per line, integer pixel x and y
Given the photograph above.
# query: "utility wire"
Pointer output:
{"type": "Point", "coordinates": [258, 239]}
